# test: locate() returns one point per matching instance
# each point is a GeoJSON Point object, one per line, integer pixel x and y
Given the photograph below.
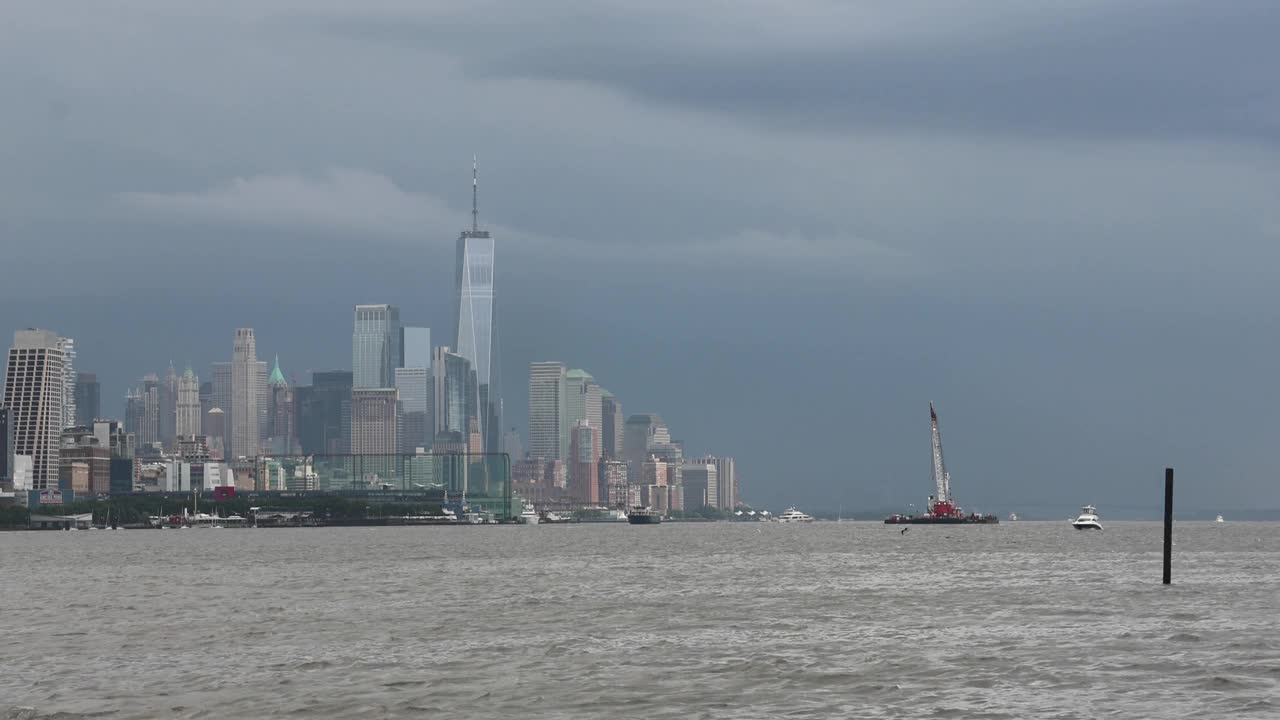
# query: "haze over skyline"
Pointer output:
{"type": "Point", "coordinates": [783, 228]}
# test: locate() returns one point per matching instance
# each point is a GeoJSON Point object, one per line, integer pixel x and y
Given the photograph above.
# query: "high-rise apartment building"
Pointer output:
{"type": "Point", "coordinates": [375, 346]}
{"type": "Point", "coordinates": [188, 420]}
{"type": "Point", "coordinates": [613, 483]}
{"type": "Point", "coordinates": [68, 347]}
{"type": "Point", "coordinates": [474, 318]}
{"type": "Point", "coordinates": [726, 483]}
{"type": "Point", "coordinates": [88, 398]}
{"type": "Point", "coordinates": [35, 392]}
{"type": "Point", "coordinates": [548, 437]}
{"type": "Point", "coordinates": [612, 425]}
{"type": "Point", "coordinates": [244, 432]}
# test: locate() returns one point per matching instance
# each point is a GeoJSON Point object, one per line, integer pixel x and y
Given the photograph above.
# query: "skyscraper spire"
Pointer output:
{"type": "Point", "coordinates": [475, 185]}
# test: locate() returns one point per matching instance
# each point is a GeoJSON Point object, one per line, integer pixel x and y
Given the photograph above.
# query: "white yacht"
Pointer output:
{"type": "Point", "coordinates": [1088, 519]}
{"type": "Point", "coordinates": [529, 515]}
{"type": "Point", "coordinates": [1219, 519]}
{"type": "Point", "coordinates": [794, 515]}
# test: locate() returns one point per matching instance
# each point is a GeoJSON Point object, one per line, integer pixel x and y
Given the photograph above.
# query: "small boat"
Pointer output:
{"type": "Point", "coordinates": [1013, 516]}
{"type": "Point", "coordinates": [529, 515]}
{"type": "Point", "coordinates": [793, 515]}
{"type": "Point", "coordinates": [1219, 519]}
{"type": "Point", "coordinates": [1088, 519]}
{"type": "Point", "coordinates": [644, 516]}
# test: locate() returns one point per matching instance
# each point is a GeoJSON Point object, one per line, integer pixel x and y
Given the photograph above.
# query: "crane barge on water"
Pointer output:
{"type": "Point", "coordinates": [941, 509]}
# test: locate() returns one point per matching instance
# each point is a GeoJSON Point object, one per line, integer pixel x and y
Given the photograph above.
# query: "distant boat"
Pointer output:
{"type": "Point", "coordinates": [1219, 519]}
{"type": "Point", "coordinates": [794, 515]}
{"type": "Point", "coordinates": [1088, 519]}
{"type": "Point", "coordinates": [529, 514]}
{"type": "Point", "coordinates": [644, 516]}
{"type": "Point", "coordinates": [1013, 516]}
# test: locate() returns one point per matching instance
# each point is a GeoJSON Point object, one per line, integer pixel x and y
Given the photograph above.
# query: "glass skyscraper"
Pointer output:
{"type": "Point", "coordinates": [473, 313]}
{"type": "Point", "coordinates": [375, 346]}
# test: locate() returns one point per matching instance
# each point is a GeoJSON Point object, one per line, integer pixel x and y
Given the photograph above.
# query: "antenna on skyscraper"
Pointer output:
{"type": "Point", "coordinates": [475, 184]}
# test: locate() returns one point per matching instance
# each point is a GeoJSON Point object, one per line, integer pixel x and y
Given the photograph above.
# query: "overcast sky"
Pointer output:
{"type": "Point", "coordinates": [784, 226]}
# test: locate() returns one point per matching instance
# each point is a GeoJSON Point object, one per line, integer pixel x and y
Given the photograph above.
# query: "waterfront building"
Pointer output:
{"type": "Point", "coordinates": [188, 419]}
{"type": "Point", "coordinates": [612, 476]}
{"type": "Point", "coordinates": [88, 400]}
{"type": "Point", "coordinates": [83, 451]}
{"type": "Point", "coordinates": [35, 394]}
{"type": "Point", "coordinates": [375, 346]}
{"type": "Point", "coordinates": [700, 487]}
{"type": "Point", "coordinates": [724, 495]}
{"type": "Point", "coordinates": [642, 433]}
{"type": "Point", "coordinates": [612, 425]}
{"type": "Point", "coordinates": [324, 413]}
{"type": "Point", "coordinates": [244, 431]}
{"type": "Point", "coordinates": [474, 335]}
{"type": "Point", "coordinates": [584, 456]}
{"type": "Point", "coordinates": [6, 445]}
{"type": "Point", "coordinates": [548, 437]}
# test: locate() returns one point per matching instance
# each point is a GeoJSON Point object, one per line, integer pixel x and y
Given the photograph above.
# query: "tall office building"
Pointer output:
{"type": "Point", "coordinates": [582, 399]}
{"type": "Point", "coordinates": [264, 403]}
{"type": "Point", "coordinates": [169, 407]}
{"type": "Point", "coordinates": [187, 416]}
{"type": "Point", "coordinates": [88, 399]}
{"type": "Point", "coordinates": [373, 425]}
{"type": "Point", "coordinates": [68, 347]}
{"type": "Point", "coordinates": [612, 425]}
{"type": "Point", "coordinates": [375, 346]}
{"type": "Point", "coordinates": [35, 394]}
{"type": "Point", "coordinates": [206, 400]}
{"type": "Point", "coordinates": [221, 390]}
{"type": "Point", "coordinates": [584, 457]}
{"type": "Point", "coordinates": [244, 433]}
{"type": "Point", "coordinates": [642, 433]}
{"type": "Point", "coordinates": [323, 413]}
{"type": "Point", "coordinates": [146, 414]}
{"type": "Point", "coordinates": [453, 399]}
{"type": "Point", "coordinates": [415, 347]}
{"type": "Point", "coordinates": [548, 438]}
{"type": "Point", "coordinates": [613, 483]}
{"type": "Point", "coordinates": [281, 424]}
{"type": "Point", "coordinates": [413, 390]}
{"type": "Point", "coordinates": [474, 317]}
{"type": "Point", "coordinates": [700, 484]}
{"type": "Point", "coordinates": [726, 482]}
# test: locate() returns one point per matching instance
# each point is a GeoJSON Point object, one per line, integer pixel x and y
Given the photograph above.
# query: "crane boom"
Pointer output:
{"type": "Point", "coordinates": [941, 479]}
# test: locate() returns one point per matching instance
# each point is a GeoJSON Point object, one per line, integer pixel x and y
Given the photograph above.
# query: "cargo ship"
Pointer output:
{"type": "Point", "coordinates": [941, 509]}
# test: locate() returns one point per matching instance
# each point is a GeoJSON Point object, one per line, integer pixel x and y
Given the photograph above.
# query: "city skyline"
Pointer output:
{"type": "Point", "coordinates": [778, 250]}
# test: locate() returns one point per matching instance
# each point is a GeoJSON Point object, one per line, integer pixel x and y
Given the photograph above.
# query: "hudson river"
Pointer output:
{"type": "Point", "coordinates": [674, 621]}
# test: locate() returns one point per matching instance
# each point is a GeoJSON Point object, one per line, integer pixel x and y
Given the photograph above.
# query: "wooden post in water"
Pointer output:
{"type": "Point", "coordinates": [1168, 525]}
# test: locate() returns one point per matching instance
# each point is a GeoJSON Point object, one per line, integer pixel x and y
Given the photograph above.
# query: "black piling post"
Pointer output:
{"type": "Point", "coordinates": [1168, 525]}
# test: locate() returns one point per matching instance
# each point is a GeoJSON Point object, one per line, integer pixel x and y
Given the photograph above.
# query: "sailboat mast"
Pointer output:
{"type": "Point", "coordinates": [941, 479]}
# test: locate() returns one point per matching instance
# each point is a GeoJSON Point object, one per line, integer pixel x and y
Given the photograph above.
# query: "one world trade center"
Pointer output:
{"type": "Point", "coordinates": [474, 316]}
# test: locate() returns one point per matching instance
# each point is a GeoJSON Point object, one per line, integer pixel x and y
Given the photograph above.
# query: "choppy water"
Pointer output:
{"type": "Point", "coordinates": [673, 621]}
